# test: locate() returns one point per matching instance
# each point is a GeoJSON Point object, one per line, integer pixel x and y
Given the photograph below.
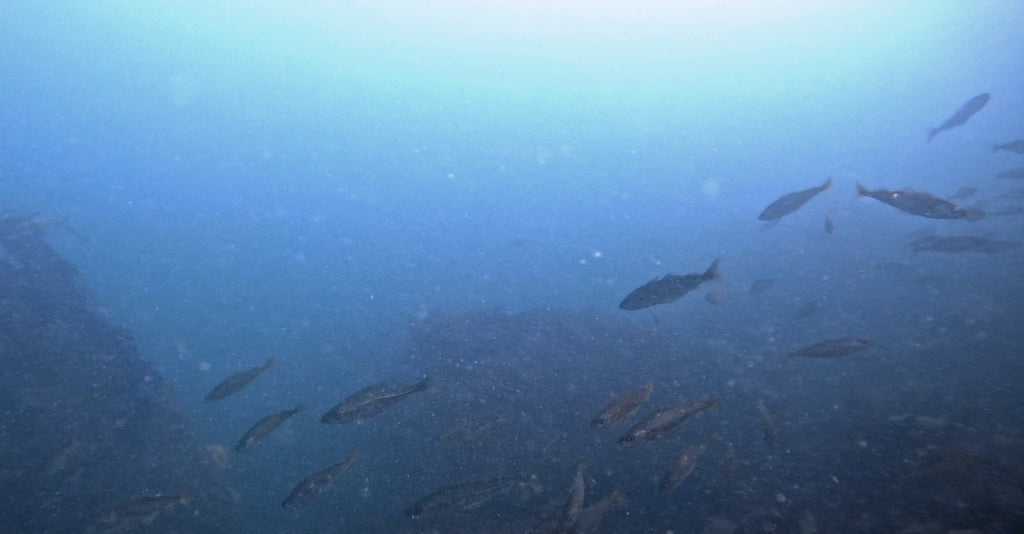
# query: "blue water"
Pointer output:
{"type": "Point", "coordinates": [314, 183]}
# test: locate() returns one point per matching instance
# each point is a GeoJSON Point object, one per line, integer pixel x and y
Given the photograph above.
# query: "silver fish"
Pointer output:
{"type": "Point", "coordinates": [961, 116]}
{"type": "Point", "coordinates": [791, 202]}
{"type": "Point", "coordinates": [663, 422]}
{"type": "Point", "coordinates": [577, 494]}
{"type": "Point", "coordinates": [131, 513]}
{"type": "Point", "coordinates": [319, 482]}
{"type": "Point", "coordinates": [622, 407]}
{"type": "Point", "coordinates": [234, 383]}
{"type": "Point", "coordinates": [370, 401]}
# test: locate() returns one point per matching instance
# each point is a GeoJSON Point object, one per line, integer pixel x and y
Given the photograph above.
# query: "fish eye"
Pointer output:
{"type": "Point", "coordinates": [629, 437]}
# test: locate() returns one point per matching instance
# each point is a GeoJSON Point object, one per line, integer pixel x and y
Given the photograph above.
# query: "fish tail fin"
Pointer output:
{"type": "Point", "coordinates": [932, 132]}
{"type": "Point", "coordinates": [270, 363]}
{"type": "Point", "coordinates": [995, 147]}
{"type": "Point", "coordinates": [424, 384]}
{"type": "Point", "coordinates": [973, 214]}
{"type": "Point", "coordinates": [712, 273]}
{"type": "Point", "coordinates": [299, 407]}
{"type": "Point", "coordinates": [827, 185]}
{"type": "Point", "coordinates": [862, 191]}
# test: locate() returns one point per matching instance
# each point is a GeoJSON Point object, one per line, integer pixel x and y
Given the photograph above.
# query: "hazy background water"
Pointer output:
{"type": "Point", "coordinates": [306, 182]}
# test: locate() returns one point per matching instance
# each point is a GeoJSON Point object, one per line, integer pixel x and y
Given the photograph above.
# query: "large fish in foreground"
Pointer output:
{"type": "Point", "coordinates": [663, 422]}
{"type": "Point", "coordinates": [959, 118]}
{"type": "Point", "coordinates": [666, 289]}
{"type": "Point", "coordinates": [832, 348]}
{"type": "Point", "coordinates": [370, 401]}
{"type": "Point", "coordinates": [264, 427]}
{"type": "Point", "coordinates": [234, 383]}
{"type": "Point", "coordinates": [791, 202]}
{"type": "Point", "coordinates": [319, 482]}
{"type": "Point", "coordinates": [915, 202]}
{"type": "Point", "coordinates": [622, 407]}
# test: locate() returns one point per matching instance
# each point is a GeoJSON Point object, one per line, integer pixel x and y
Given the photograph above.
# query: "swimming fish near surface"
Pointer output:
{"type": "Point", "coordinates": [791, 202]}
{"type": "Point", "coordinates": [961, 116]}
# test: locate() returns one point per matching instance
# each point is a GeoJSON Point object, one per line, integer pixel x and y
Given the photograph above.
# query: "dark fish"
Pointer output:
{"type": "Point", "coordinates": [832, 348]}
{"type": "Point", "coordinates": [467, 496]}
{"type": "Point", "coordinates": [767, 423]}
{"type": "Point", "coordinates": [592, 516]}
{"type": "Point", "coordinates": [791, 202]}
{"type": "Point", "coordinates": [663, 422]}
{"type": "Point", "coordinates": [760, 286]}
{"type": "Point", "coordinates": [963, 193]}
{"type": "Point", "coordinates": [666, 289]}
{"type": "Point", "coordinates": [370, 401]}
{"type": "Point", "coordinates": [622, 407]}
{"type": "Point", "coordinates": [264, 427]}
{"type": "Point", "coordinates": [1013, 146]}
{"type": "Point", "coordinates": [965, 112]}
{"type": "Point", "coordinates": [234, 383]}
{"type": "Point", "coordinates": [915, 203]}
{"type": "Point", "coordinates": [319, 482]}
{"type": "Point", "coordinates": [829, 227]}
{"type": "Point", "coordinates": [684, 464]}
{"type": "Point", "coordinates": [1012, 174]}
{"type": "Point", "coordinates": [136, 511]}
{"type": "Point", "coordinates": [961, 243]}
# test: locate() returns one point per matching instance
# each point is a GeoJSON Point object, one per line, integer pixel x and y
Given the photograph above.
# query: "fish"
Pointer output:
{"type": "Point", "coordinates": [577, 494]}
{"type": "Point", "coordinates": [319, 482]}
{"type": "Point", "coordinates": [769, 433]}
{"type": "Point", "coordinates": [668, 288]}
{"type": "Point", "coordinates": [760, 286]}
{"type": "Point", "coordinates": [963, 193]}
{"type": "Point", "coordinates": [234, 383]}
{"type": "Point", "coordinates": [1013, 146]}
{"type": "Point", "coordinates": [1005, 212]}
{"type": "Point", "coordinates": [683, 465]}
{"type": "Point", "coordinates": [57, 459]}
{"type": "Point", "coordinates": [1015, 173]}
{"type": "Point", "coordinates": [961, 243]}
{"type": "Point", "coordinates": [829, 226]}
{"type": "Point", "coordinates": [663, 422]}
{"type": "Point", "coordinates": [592, 516]}
{"type": "Point", "coordinates": [264, 427]}
{"type": "Point", "coordinates": [471, 430]}
{"type": "Point", "coordinates": [370, 401]}
{"type": "Point", "coordinates": [791, 202]}
{"type": "Point", "coordinates": [622, 407]}
{"type": "Point", "coordinates": [961, 116]}
{"type": "Point", "coordinates": [1013, 193]}
{"type": "Point", "coordinates": [915, 202]}
{"type": "Point", "coordinates": [466, 496]}
{"type": "Point", "coordinates": [832, 348]}
{"type": "Point", "coordinates": [131, 513]}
